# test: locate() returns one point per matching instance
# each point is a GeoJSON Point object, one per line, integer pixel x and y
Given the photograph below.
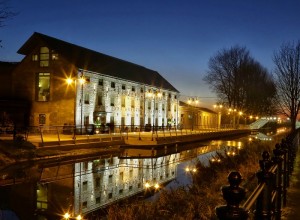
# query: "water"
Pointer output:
{"type": "Point", "coordinates": [48, 191]}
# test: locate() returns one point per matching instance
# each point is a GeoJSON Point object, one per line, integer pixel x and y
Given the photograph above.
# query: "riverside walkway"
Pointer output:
{"type": "Point", "coordinates": [46, 139]}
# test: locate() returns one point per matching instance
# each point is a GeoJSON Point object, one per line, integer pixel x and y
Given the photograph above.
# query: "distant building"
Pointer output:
{"type": "Point", "coordinates": [195, 117]}
{"type": "Point", "coordinates": [114, 91]}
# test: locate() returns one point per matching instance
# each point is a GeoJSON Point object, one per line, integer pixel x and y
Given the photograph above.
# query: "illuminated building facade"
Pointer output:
{"type": "Point", "coordinates": [101, 89]}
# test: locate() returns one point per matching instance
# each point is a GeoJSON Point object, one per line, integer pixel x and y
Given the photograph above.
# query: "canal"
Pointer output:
{"type": "Point", "coordinates": [51, 190]}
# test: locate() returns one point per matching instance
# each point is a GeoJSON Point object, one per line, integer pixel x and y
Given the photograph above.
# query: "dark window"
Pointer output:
{"type": "Point", "coordinates": [84, 186]}
{"type": "Point", "coordinates": [97, 182]}
{"type": "Point", "coordinates": [100, 82]}
{"type": "Point", "coordinates": [133, 89]}
{"type": "Point", "coordinates": [86, 98]}
{"type": "Point", "coordinates": [84, 205]}
{"type": "Point", "coordinates": [123, 87]}
{"type": "Point", "coordinates": [112, 85]}
{"type": "Point", "coordinates": [142, 90]}
{"type": "Point", "coordinates": [42, 119]}
{"type": "Point", "coordinates": [98, 200]}
{"type": "Point", "coordinates": [100, 99]}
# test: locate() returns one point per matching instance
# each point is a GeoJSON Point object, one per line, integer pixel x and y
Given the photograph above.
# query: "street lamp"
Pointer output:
{"type": "Point", "coordinates": [191, 102]}
{"type": "Point", "coordinates": [219, 108]}
{"type": "Point", "coordinates": [154, 95]}
{"type": "Point", "coordinates": [81, 81]}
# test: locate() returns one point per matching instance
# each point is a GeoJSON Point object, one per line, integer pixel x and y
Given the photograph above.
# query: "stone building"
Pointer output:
{"type": "Point", "coordinates": [69, 84]}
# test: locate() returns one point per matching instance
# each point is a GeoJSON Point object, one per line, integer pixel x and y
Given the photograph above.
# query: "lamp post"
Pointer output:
{"type": "Point", "coordinates": [191, 102]}
{"type": "Point", "coordinates": [219, 108]}
{"type": "Point", "coordinates": [154, 95]}
{"type": "Point", "coordinates": [81, 80]}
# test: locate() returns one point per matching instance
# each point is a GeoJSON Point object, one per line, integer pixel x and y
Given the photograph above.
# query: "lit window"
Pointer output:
{"type": "Point", "coordinates": [44, 56]}
{"type": "Point", "coordinates": [35, 57]}
{"type": "Point", "coordinates": [43, 87]}
{"type": "Point", "coordinates": [54, 55]}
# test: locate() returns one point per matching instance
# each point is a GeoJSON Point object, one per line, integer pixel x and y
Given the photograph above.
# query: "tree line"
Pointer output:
{"type": "Point", "coordinates": [241, 82]}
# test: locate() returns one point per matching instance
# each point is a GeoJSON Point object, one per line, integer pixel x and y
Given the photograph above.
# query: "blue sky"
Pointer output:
{"type": "Point", "coordinates": [174, 37]}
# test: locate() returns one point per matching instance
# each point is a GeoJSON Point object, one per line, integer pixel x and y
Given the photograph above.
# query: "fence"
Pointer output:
{"type": "Point", "coordinates": [268, 198]}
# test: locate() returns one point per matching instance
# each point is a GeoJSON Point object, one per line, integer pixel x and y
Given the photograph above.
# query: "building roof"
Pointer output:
{"type": "Point", "coordinates": [90, 60]}
{"type": "Point", "coordinates": [181, 103]}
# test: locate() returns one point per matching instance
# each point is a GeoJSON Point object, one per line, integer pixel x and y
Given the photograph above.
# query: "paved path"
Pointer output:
{"type": "Point", "coordinates": [292, 211]}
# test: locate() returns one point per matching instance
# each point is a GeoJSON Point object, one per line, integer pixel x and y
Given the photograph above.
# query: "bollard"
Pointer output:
{"type": "Point", "coordinates": [264, 201]}
{"type": "Point", "coordinates": [233, 194]}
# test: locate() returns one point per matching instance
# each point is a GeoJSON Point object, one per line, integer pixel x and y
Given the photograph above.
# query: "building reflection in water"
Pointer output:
{"type": "Point", "coordinates": [86, 186]}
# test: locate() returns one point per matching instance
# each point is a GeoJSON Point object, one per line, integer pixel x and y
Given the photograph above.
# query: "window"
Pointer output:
{"type": "Point", "coordinates": [100, 82]}
{"type": "Point", "coordinates": [35, 57]}
{"type": "Point", "coordinates": [132, 103]}
{"type": "Point", "coordinates": [130, 188]}
{"type": "Point", "coordinates": [97, 182]}
{"type": "Point", "coordinates": [86, 120]}
{"type": "Point", "coordinates": [133, 89]}
{"type": "Point", "coordinates": [123, 101]}
{"type": "Point", "coordinates": [121, 191]}
{"type": "Point", "coordinates": [100, 99]}
{"type": "Point", "coordinates": [112, 85]}
{"type": "Point", "coordinates": [42, 119]}
{"type": "Point", "coordinates": [54, 55]}
{"type": "Point", "coordinates": [131, 173]}
{"type": "Point", "coordinates": [112, 101]}
{"type": "Point", "coordinates": [142, 90]}
{"type": "Point", "coordinates": [123, 87]}
{"type": "Point", "coordinates": [110, 179]}
{"type": "Point", "coordinates": [84, 186]}
{"type": "Point", "coordinates": [86, 98]}
{"type": "Point", "coordinates": [98, 200]}
{"type": "Point", "coordinates": [84, 205]}
{"type": "Point", "coordinates": [43, 87]}
{"type": "Point", "coordinates": [44, 56]}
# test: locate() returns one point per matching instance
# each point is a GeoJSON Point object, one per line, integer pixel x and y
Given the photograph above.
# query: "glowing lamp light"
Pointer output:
{"type": "Point", "coordinates": [147, 185]}
{"type": "Point", "coordinates": [79, 217]}
{"type": "Point", "coordinates": [66, 215]}
{"type": "Point", "coordinates": [156, 186]}
{"type": "Point", "coordinates": [69, 81]}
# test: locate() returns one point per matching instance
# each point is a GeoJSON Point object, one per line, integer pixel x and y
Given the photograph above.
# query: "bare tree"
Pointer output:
{"type": "Point", "coordinates": [287, 71]}
{"type": "Point", "coordinates": [240, 81]}
{"type": "Point", "coordinates": [5, 13]}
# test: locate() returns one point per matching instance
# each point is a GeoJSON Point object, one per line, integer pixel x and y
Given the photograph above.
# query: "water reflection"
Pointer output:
{"type": "Point", "coordinates": [83, 187]}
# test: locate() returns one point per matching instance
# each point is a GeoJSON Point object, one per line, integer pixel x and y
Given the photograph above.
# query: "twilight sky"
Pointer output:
{"type": "Point", "coordinates": [174, 37]}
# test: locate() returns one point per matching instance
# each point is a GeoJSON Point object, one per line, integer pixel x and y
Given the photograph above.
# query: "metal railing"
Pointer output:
{"type": "Point", "coordinates": [70, 132]}
{"type": "Point", "coordinates": [270, 195]}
